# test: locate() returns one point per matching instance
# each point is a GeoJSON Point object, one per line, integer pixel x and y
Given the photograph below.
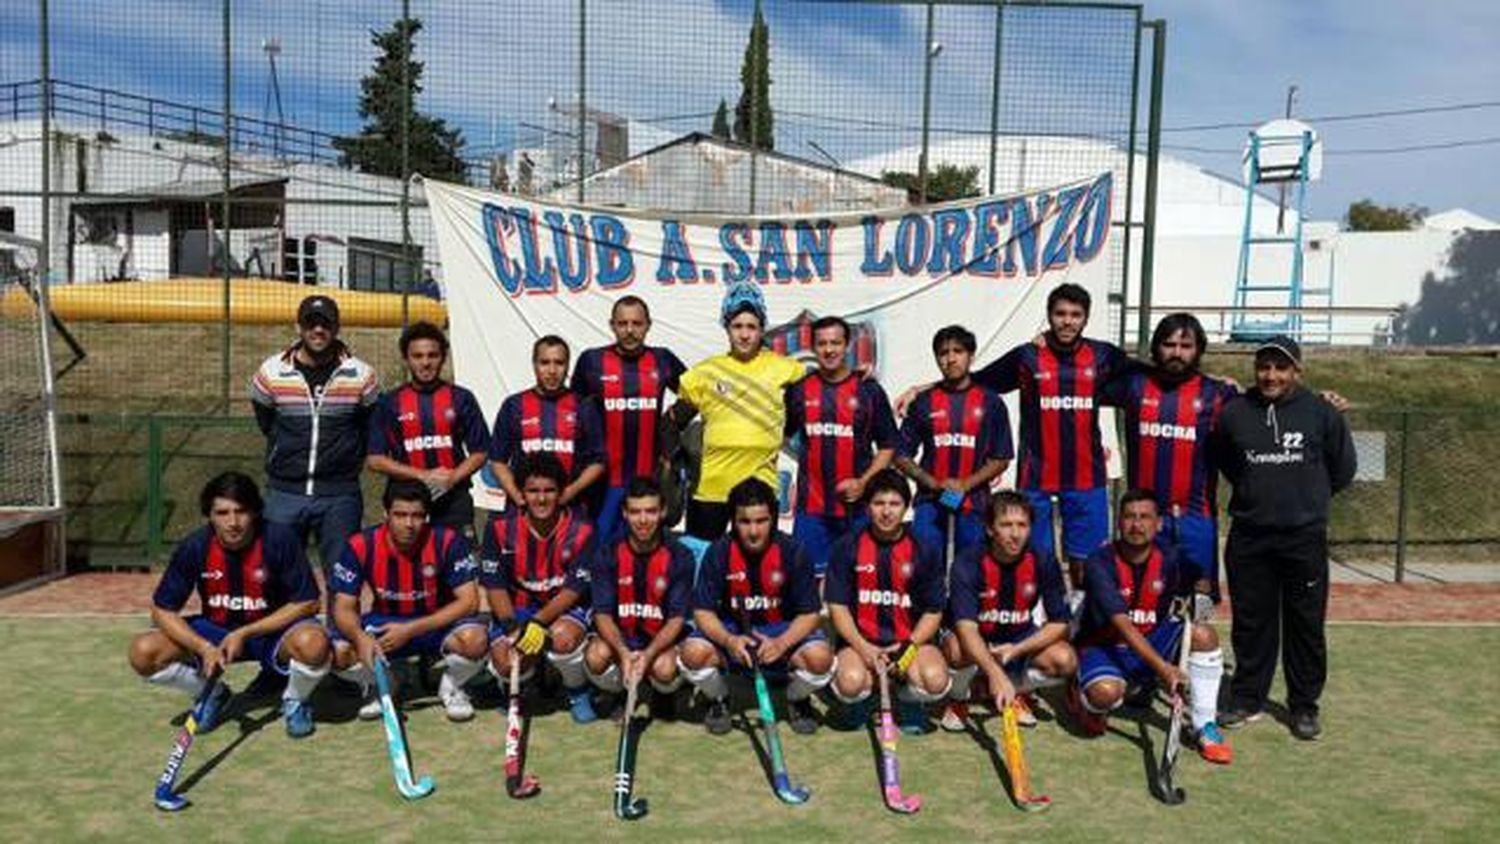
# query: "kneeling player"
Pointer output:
{"type": "Point", "coordinates": [1129, 635]}
{"type": "Point", "coordinates": [993, 596]}
{"type": "Point", "coordinates": [421, 579]}
{"type": "Point", "coordinates": [640, 590]}
{"type": "Point", "coordinates": [756, 599]}
{"type": "Point", "coordinates": [885, 597]}
{"type": "Point", "coordinates": [258, 598]}
{"type": "Point", "coordinates": [535, 572]}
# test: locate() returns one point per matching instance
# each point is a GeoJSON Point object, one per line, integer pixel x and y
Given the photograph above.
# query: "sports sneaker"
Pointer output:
{"type": "Point", "coordinates": [299, 717]}
{"type": "Point", "coordinates": [955, 718]}
{"type": "Point", "coordinates": [1235, 717]}
{"type": "Point", "coordinates": [1212, 746]}
{"type": "Point", "coordinates": [1089, 723]}
{"type": "Point", "coordinates": [1024, 716]}
{"type": "Point", "coordinates": [1305, 725]}
{"type": "Point", "coordinates": [581, 706]}
{"type": "Point", "coordinates": [213, 709]}
{"type": "Point", "coordinates": [370, 709]}
{"type": "Point", "coordinates": [801, 717]}
{"type": "Point", "coordinates": [456, 703]}
{"type": "Point", "coordinates": [716, 719]}
{"type": "Point", "coordinates": [911, 717]}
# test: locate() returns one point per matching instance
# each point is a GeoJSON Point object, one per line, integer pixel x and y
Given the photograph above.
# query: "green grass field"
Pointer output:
{"type": "Point", "coordinates": [1411, 753]}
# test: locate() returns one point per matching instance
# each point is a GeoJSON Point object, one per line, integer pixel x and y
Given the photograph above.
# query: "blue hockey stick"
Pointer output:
{"type": "Point", "coordinates": [395, 739]}
{"type": "Point", "coordinates": [167, 799]}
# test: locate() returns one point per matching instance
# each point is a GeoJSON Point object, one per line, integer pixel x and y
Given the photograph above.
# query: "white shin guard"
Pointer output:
{"type": "Point", "coordinates": [570, 667]}
{"type": "Point", "coordinates": [358, 673]}
{"type": "Point", "coordinates": [804, 683]}
{"type": "Point", "coordinates": [667, 688]}
{"type": "Point", "coordinates": [960, 681]}
{"type": "Point", "coordinates": [1205, 670]}
{"type": "Point", "coordinates": [459, 670]}
{"type": "Point", "coordinates": [709, 681]}
{"type": "Point", "coordinates": [302, 679]}
{"type": "Point", "coordinates": [911, 693]}
{"type": "Point", "coordinates": [849, 700]}
{"type": "Point", "coordinates": [180, 676]}
{"type": "Point", "coordinates": [609, 681]}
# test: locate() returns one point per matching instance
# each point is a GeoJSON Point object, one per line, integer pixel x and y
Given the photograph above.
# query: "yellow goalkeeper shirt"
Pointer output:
{"type": "Point", "coordinates": [743, 416]}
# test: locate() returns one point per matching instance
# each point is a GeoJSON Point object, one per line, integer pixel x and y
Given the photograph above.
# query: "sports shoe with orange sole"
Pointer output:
{"type": "Point", "coordinates": [1212, 746]}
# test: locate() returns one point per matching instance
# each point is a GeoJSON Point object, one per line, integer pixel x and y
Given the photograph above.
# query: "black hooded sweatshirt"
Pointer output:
{"type": "Point", "coordinates": [1285, 459]}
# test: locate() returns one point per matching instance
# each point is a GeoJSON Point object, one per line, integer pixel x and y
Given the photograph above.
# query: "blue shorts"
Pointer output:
{"type": "Point", "coordinates": [1085, 521]}
{"type": "Point", "coordinates": [1119, 662]}
{"type": "Point", "coordinates": [261, 649]}
{"type": "Point", "coordinates": [427, 644]}
{"type": "Point", "coordinates": [929, 525]}
{"type": "Point", "coordinates": [581, 616]}
{"type": "Point", "coordinates": [610, 523]}
{"type": "Point", "coordinates": [768, 631]}
{"type": "Point", "coordinates": [1197, 537]}
{"type": "Point", "coordinates": [817, 534]}
{"type": "Point", "coordinates": [1016, 670]}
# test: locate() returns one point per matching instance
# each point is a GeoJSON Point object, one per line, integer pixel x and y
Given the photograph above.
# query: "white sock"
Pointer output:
{"type": "Point", "coordinates": [1036, 678]}
{"type": "Point", "coordinates": [849, 699]}
{"type": "Point", "coordinates": [804, 683]}
{"type": "Point", "coordinates": [667, 688]}
{"type": "Point", "coordinates": [609, 681]}
{"type": "Point", "coordinates": [962, 680]}
{"type": "Point", "coordinates": [180, 676]}
{"type": "Point", "coordinates": [911, 693]}
{"type": "Point", "coordinates": [460, 669]}
{"type": "Point", "coordinates": [709, 681]}
{"type": "Point", "coordinates": [302, 679]}
{"type": "Point", "coordinates": [358, 673]}
{"type": "Point", "coordinates": [571, 668]}
{"type": "Point", "coordinates": [1205, 670]}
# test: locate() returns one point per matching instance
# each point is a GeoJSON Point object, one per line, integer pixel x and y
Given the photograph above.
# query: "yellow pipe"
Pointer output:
{"type": "Point", "coordinates": [252, 302]}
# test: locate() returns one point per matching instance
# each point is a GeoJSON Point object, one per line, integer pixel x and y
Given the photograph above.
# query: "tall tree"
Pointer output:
{"type": "Point", "coordinates": [752, 114]}
{"type": "Point", "coordinates": [721, 121]}
{"type": "Point", "coordinates": [945, 183]}
{"type": "Point", "coordinates": [1365, 216]}
{"type": "Point", "coordinates": [433, 148]}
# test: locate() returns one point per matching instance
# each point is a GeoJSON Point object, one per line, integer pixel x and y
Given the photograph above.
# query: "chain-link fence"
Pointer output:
{"type": "Point", "coordinates": [208, 163]}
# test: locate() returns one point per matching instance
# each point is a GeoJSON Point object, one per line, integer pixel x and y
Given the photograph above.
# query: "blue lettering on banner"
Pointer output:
{"type": "Point", "coordinates": [773, 259]}
{"type": "Point", "coordinates": [612, 252]}
{"type": "Point", "coordinates": [498, 226]}
{"type": "Point", "coordinates": [1023, 228]}
{"type": "Point", "coordinates": [1055, 255]}
{"type": "Point", "coordinates": [876, 262]}
{"type": "Point", "coordinates": [675, 250]}
{"type": "Point", "coordinates": [541, 273]}
{"type": "Point", "coordinates": [814, 247]}
{"type": "Point", "coordinates": [989, 217]}
{"type": "Point", "coordinates": [741, 268]}
{"type": "Point", "coordinates": [571, 248]}
{"type": "Point", "coordinates": [1093, 220]}
{"type": "Point", "coordinates": [911, 243]}
{"type": "Point", "coordinates": [951, 226]}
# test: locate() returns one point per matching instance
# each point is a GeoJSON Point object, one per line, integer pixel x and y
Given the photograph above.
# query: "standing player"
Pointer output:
{"type": "Point", "coordinates": [992, 602]}
{"type": "Point", "coordinates": [535, 572]}
{"type": "Point", "coordinates": [430, 431]}
{"type": "Point", "coordinates": [629, 380]}
{"type": "Point", "coordinates": [962, 432]}
{"type": "Point", "coordinates": [740, 395]}
{"type": "Point", "coordinates": [756, 599]}
{"type": "Point", "coordinates": [885, 597]}
{"type": "Point", "coordinates": [421, 581]}
{"type": "Point", "coordinates": [1129, 634]}
{"type": "Point", "coordinates": [641, 585]}
{"type": "Point", "coordinates": [848, 435]}
{"type": "Point", "coordinates": [258, 599]}
{"type": "Point", "coordinates": [551, 419]}
{"type": "Point", "coordinates": [1061, 451]}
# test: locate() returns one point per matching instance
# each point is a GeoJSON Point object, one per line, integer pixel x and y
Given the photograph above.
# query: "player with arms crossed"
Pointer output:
{"type": "Point", "coordinates": [534, 567]}
{"type": "Point", "coordinates": [258, 599]}
{"type": "Point", "coordinates": [551, 419]}
{"type": "Point", "coordinates": [885, 598]}
{"type": "Point", "coordinates": [994, 593]}
{"type": "Point", "coordinates": [421, 579]}
{"type": "Point", "coordinates": [640, 588]}
{"type": "Point", "coordinates": [962, 432]}
{"type": "Point", "coordinates": [847, 435]}
{"type": "Point", "coordinates": [756, 576]}
{"type": "Point", "coordinates": [1129, 633]}
{"type": "Point", "coordinates": [430, 431]}
{"type": "Point", "coordinates": [629, 381]}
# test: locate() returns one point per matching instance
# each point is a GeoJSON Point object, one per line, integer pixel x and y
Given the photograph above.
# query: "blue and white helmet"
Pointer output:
{"type": "Point", "coordinates": [740, 297]}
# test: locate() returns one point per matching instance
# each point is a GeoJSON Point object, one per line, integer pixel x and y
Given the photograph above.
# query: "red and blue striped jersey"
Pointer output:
{"type": "Point", "coordinates": [1167, 429]}
{"type": "Point", "coordinates": [956, 432]}
{"type": "Point", "coordinates": [768, 588]}
{"type": "Point", "coordinates": [405, 586]}
{"type": "Point", "coordinates": [1142, 592]}
{"type": "Point", "coordinates": [236, 588]}
{"type": "Point", "coordinates": [887, 586]}
{"type": "Point", "coordinates": [841, 424]}
{"type": "Point", "coordinates": [629, 392]}
{"type": "Point", "coordinates": [642, 592]}
{"type": "Point", "coordinates": [563, 425]}
{"type": "Point", "coordinates": [1060, 445]}
{"type": "Point", "coordinates": [436, 428]}
{"type": "Point", "coordinates": [534, 568]}
{"type": "Point", "coordinates": [1001, 597]}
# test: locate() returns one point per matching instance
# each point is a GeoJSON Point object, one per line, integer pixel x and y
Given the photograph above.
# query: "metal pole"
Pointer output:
{"type": "Point", "coordinates": [995, 93]}
{"type": "Point", "coordinates": [753, 123]}
{"type": "Point", "coordinates": [154, 502]}
{"type": "Point", "coordinates": [1401, 497]}
{"type": "Point", "coordinates": [44, 278]}
{"type": "Point", "coordinates": [406, 108]}
{"type": "Point", "coordinates": [1153, 153]}
{"type": "Point", "coordinates": [927, 57]}
{"type": "Point", "coordinates": [1135, 103]}
{"type": "Point", "coordinates": [226, 334]}
{"type": "Point", "coordinates": [583, 54]}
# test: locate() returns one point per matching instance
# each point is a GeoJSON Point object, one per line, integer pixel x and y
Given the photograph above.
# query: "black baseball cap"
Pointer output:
{"type": "Point", "coordinates": [318, 306]}
{"type": "Point", "coordinates": [1283, 344]}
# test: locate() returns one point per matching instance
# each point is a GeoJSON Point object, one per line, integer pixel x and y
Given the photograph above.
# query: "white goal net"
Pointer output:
{"type": "Point", "coordinates": [29, 485]}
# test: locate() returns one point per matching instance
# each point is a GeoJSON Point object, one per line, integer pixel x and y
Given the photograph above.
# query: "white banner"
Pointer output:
{"type": "Point", "coordinates": [515, 270]}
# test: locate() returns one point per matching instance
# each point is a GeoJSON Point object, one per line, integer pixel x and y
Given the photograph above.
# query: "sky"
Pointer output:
{"type": "Point", "coordinates": [847, 75]}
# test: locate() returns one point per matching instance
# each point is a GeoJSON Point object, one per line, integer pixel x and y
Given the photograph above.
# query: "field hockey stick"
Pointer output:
{"type": "Point", "coordinates": [786, 790]}
{"type": "Point", "coordinates": [1165, 788]}
{"type": "Point", "coordinates": [166, 797]}
{"type": "Point", "coordinates": [890, 767]}
{"type": "Point", "coordinates": [626, 807]}
{"type": "Point", "coordinates": [395, 738]}
{"type": "Point", "coordinates": [518, 784]}
{"type": "Point", "coordinates": [1015, 763]}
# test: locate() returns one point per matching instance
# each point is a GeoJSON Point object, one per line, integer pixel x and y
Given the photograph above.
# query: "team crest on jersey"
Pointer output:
{"type": "Point", "coordinates": [722, 388]}
{"type": "Point", "coordinates": [661, 584]}
{"type": "Point", "coordinates": [1197, 405]}
{"type": "Point", "coordinates": [1088, 372]}
{"type": "Point", "coordinates": [449, 415]}
{"type": "Point", "coordinates": [1147, 401]}
{"type": "Point", "coordinates": [1157, 585]}
{"type": "Point", "coordinates": [259, 576]}
{"type": "Point", "coordinates": [627, 580]}
{"type": "Point", "coordinates": [570, 417]}
{"type": "Point", "coordinates": [1028, 591]}
{"type": "Point", "coordinates": [429, 571]}
{"type": "Point", "coordinates": [776, 578]}
{"type": "Point", "coordinates": [1044, 376]}
{"type": "Point", "coordinates": [1125, 592]}
{"type": "Point", "coordinates": [906, 569]}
